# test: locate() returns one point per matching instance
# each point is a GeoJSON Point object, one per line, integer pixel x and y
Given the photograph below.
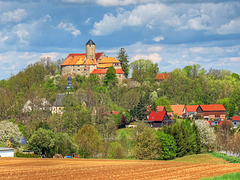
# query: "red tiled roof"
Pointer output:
{"type": "Point", "coordinates": [236, 118]}
{"type": "Point", "coordinates": [213, 107]}
{"type": "Point", "coordinates": [178, 109]}
{"type": "Point", "coordinates": [191, 108]}
{"type": "Point", "coordinates": [115, 112]}
{"type": "Point", "coordinates": [156, 115]}
{"type": "Point", "coordinates": [161, 76]}
{"type": "Point", "coordinates": [159, 108]}
{"type": "Point", "coordinates": [104, 71]}
{"type": "Point", "coordinates": [77, 58]}
{"type": "Point", "coordinates": [97, 55]}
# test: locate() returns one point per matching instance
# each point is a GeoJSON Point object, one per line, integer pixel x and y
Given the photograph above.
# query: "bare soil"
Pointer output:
{"type": "Point", "coordinates": [26, 168]}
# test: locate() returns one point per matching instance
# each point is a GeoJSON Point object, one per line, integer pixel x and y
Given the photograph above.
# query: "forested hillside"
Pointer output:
{"type": "Point", "coordinates": [93, 101]}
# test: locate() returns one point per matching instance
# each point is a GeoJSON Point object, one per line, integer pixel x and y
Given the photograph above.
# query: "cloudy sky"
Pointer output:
{"type": "Point", "coordinates": [172, 33]}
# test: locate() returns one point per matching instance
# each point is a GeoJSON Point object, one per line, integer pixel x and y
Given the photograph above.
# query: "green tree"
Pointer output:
{"type": "Point", "coordinates": [168, 145]}
{"type": "Point", "coordinates": [144, 70]}
{"type": "Point", "coordinates": [147, 145]}
{"type": "Point", "coordinates": [42, 140]}
{"type": "Point", "coordinates": [163, 102]}
{"type": "Point", "coordinates": [123, 58]}
{"type": "Point", "coordinates": [235, 100]}
{"type": "Point", "coordinates": [111, 77]}
{"type": "Point", "coordinates": [88, 140]}
{"type": "Point", "coordinates": [64, 144]}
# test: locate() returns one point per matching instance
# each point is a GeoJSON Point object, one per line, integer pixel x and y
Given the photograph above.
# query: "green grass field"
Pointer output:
{"type": "Point", "coordinates": [233, 176]}
{"type": "Point", "coordinates": [201, 158]}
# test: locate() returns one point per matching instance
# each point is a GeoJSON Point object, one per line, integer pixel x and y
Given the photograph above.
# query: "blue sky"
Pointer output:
{"type": "Point", "coordinates": [169, 32]}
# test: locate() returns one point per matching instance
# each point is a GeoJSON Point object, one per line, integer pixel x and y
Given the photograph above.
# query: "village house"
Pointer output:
{"type": "Point", "coordinates": [177, 110]}
{"type": "Point", "coordinates": [211, 111]}
{"type": "Point", "coordinates": [90, 63]}
{"type": "Point", "coordinates": [190, 111]}
{"type": "Point", "coordinates": [159, 119]}
{"type": "Point", "coordinates": [235, 121]}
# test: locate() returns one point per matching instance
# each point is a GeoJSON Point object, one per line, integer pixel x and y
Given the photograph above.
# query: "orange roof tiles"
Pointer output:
{"type": "Point", "coordinates": [104, 71]}
{"type": "Point", "coordinates": [178, 109]}
{"type": "Point", "coordinates": [212, 107]}
{"type": "Point", "coordinates": [90, 62]}
{"type": "Point", "coordinates": [191, 108]}
{"type": "Point", "coordinates": [161, 76]}
{"type": "Point", "coordinates": [107, 60]}
{"type": "Point", "coordinates": [104, 65]}
{"type": "Point", "coordinates": [77, 58]}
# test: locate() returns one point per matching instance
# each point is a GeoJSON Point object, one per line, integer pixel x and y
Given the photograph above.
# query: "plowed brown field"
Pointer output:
{"type": "Point", "coordinates": [23, 168]}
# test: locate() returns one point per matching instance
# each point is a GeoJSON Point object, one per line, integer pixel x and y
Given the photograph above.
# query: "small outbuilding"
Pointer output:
{"type": "Point", "coordinates": [6, 152]}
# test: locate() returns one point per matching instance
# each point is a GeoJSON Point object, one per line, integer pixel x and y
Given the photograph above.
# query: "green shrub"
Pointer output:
{"type": "Point", "coordinates": [230, 159]}
{"type": "Point", "coordinates": [25, 155]}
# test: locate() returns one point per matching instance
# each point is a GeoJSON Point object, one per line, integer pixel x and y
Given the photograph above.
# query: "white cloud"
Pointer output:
{"type": "Point", "coordinates": [88, 21]}
{"type": "Point", "coordinates": [141, 15]}
{"type": "Point", "coordinates": [230, 28]}
{"type": "Point", "coordinates": [69, 27]}
{"type": "Point", "coordinates": [2, 37]}
{"type": "Point", "coordinates": [112, 2]}
{"type": "Point", "coordinates": [235, 59]}
{"type": "Point", "coordinates": [155, 57]}
{"type": "Point", "coordinates": [207, 17]}
{"type": "Point", "coordinates": [13, 16]}
{"type": "Point", "coordinates": [158, 38]}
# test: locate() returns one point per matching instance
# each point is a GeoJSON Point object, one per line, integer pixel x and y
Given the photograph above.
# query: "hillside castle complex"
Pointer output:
{"type": "Point", "coordinates": [90, 63]}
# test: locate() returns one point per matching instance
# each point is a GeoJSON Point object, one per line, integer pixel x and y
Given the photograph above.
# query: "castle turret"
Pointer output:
{"type": "Point", "coordinates": [90, 50]}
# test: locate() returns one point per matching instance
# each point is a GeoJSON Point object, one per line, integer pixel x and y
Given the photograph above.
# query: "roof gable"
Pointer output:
{"type": "Point", "coordinates": [178, 109]}
{"type": "Point", "coordinates": [107, 60]}
{"type": "Point", "coordinates": [90, 62]}
{"type": "Point", "coordinates": [212, 107]}
{"type": "Point", "coordinates": [191, 108]}
{"type": "Point", "coordinates": [78, 58]}
{"type": "Point", "coordinates": [157, 115]}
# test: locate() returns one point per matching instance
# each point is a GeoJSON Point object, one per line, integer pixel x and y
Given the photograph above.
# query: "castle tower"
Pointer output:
{"type": "Point", "coordinates": [90, 50]}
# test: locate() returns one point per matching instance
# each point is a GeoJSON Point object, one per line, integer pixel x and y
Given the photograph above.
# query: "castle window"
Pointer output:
{"type": "Point", "coordinates": [78, 69]}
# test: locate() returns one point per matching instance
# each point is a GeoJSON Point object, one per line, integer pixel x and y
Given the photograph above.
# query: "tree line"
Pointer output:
{"type": "Point", "coordinates": [93, 100]}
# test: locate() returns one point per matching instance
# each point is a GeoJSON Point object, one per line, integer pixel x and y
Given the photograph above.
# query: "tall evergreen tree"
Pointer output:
{"type": "Point", "coordinates": [111, 76]}
{"type": "Point", "coordinates": [123, 58]}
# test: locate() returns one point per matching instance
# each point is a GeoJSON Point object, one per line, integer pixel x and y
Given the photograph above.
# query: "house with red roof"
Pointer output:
{"type": "Point", "coordinates": [212, 111]}
{"type": "Point", "coordinates": [235, 121]}
{"type": "Point", "coordinates": [178, 110]}
{"type": "Point", "coordinates": [190, 111]}
{"type": "Point", "coordinates": [159, 119]}
{"type": "Point", "coordinates": [162, 76]}
{"type": "Point", "coordinates": [90, 63]}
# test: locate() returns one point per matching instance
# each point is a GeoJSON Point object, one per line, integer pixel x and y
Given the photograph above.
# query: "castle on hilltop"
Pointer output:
{"type": "Point", "coordinates": [90, 63]}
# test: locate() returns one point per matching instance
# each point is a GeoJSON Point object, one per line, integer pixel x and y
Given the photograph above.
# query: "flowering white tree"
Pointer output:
{"type": "Point", "coordinates": [206, 133]}
{"type": "Point", "coordinates": [9, 131]}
